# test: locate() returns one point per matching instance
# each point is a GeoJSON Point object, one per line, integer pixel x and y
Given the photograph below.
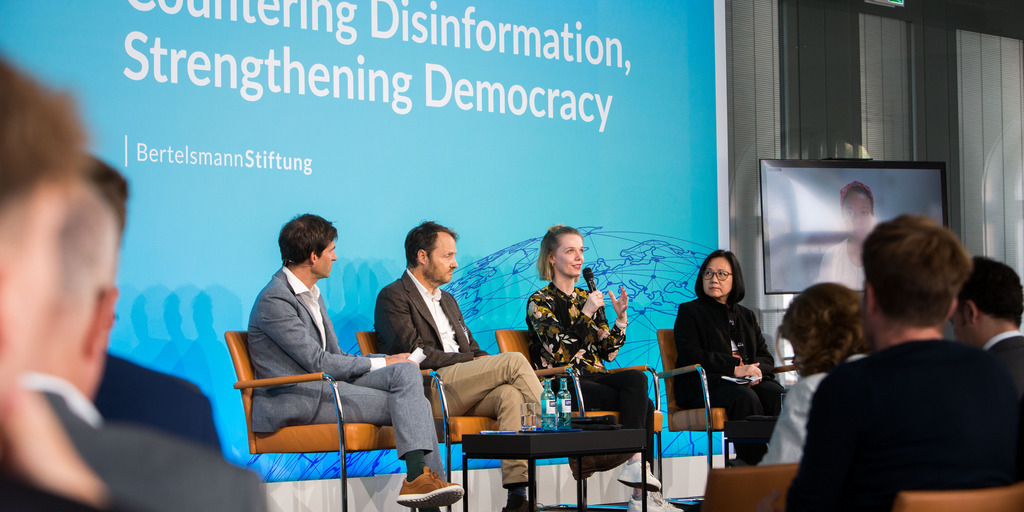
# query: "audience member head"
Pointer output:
{"type": "Point", "coordinates": [991, 302]}
{"type": "Point", "coordinates": [729, 289]}
{"type": "Point", "coordinates": [823, 324]}
{"type": "Point", "coordinates": [913, 270]}
{"type": "Point", "coordinates": [41, 162]}
{"type": "Point", "coordinates": [77, 334]}
{"type": "Point", "coordinates": [304, 237]}
{"type": "Point", "coordinates": [549, 246]}
{"type": "Point", "coordinates": [430, 253]}
{"type": "Point", "coordinates": [114, 189]}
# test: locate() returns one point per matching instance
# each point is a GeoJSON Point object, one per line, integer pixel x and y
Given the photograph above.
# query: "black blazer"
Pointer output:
{"type": "Point", "coordinates": [1011, 352]}
{"type": "Point", "coordinates": [403, 323]}
{"type": "Point", "coordinates": [703, 334]}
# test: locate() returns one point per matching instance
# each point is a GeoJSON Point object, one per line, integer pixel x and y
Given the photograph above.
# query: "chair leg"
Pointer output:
{"type": "Point", "coordinates": [342, 465]}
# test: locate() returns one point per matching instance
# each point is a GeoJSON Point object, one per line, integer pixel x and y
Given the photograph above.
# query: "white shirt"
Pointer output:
{"type": "Point", "coordinates": [444, 326]}
{"type": "Point", "coordinates": [787, 443]}
{"type": "Point", "coordinates": [1000, 337]}
{"type": "Point", "coordinates": [311, 298]}
{"type": "Point", "coordinates": [75, 400]}
{"type": "Point", "coordinates": [836, 267]}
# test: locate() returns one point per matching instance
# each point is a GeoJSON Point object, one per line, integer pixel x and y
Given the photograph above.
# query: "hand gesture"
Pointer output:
{"type": "Point", "coordinates": [595, 301]}
{"type": "Point", "coordinates": [620, 304]}
{"type": "Point", "coordinates": [399, 358]}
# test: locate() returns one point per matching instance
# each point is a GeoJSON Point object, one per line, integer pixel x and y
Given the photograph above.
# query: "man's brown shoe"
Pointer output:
{"type": "Point", "coordinates": [428, 490]}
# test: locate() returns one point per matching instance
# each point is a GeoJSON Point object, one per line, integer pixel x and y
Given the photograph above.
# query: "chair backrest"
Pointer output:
{"type": "Point", "coordinates": [367, 341]}
{"type": "Point", "coordinates": [667, 347]}
{"type": "Point", "coordinates": [238, 347]}
{"type": "Point", "coordinates": [742, 488]}
{"type": "Point", "coordinates": [1009, 498]}
{"type": "Point", "coordinates": [510, 340]}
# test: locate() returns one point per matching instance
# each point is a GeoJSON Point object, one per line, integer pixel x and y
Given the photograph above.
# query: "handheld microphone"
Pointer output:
{"type": "Point", "coordinates": [588, 276]}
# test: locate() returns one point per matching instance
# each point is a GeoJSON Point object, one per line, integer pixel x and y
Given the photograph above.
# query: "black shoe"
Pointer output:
{"type": "Point", "coordinates": [516, 503]}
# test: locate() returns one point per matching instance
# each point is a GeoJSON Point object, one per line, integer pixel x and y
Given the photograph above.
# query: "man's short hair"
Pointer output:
{"type": "Point", "coordinates": [995, 288]}
{"type": "Point", "coordinates": [423, 237]}
{"type": "Point", "coordinates": [40, 137]}
{"type": "Point", "coordinates": [303, 236]}
{"type": "Point", "coordinates": [87, 245]}
{"type": "Point", "coordinates": [112, 187]}
{"type": "Point", "coordinates": [916, 269]}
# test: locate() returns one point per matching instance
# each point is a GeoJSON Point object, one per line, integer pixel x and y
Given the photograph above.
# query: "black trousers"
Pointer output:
{"type": "Point", "coordinates": [741, 401]}
{"type": "Point", "coordinates": [624, 391]}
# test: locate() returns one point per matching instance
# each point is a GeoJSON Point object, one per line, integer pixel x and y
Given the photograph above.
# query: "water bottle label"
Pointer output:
{"type": "Point", "coordinates": [549, 407]}
{"type": "Point", "coordinates": [566, 405]}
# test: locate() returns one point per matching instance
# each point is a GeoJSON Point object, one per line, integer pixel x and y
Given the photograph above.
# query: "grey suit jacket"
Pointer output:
{"type": "Point", "coordinates": [1011, 352]}
{"type": "Point", "coordinates": [146, 470]}
{"type": "Point", "coordinates": [403, 323]}
{"type": "Point", "coordinates": [284, 340]}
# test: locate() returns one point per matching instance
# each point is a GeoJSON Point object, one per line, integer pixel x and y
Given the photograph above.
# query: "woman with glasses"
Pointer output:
{"type": "Point", "coordinates": [568, 328]}
{"type": "Point", "coordinates": [724, 337]}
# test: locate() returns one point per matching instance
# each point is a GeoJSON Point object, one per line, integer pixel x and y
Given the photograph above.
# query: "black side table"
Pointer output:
{"type": "Point", "coordinates": [748, 431]}
{"type": "Point", "coordinates": [550, 445]}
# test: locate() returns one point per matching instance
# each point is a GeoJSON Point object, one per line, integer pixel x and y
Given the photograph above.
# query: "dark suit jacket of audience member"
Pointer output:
{"type": "Point", "coordinates": [403, 322]}
{"type": "Point", "coordinates": [15, 496]}
{"type": "Point", "coordinates": [145, 469]}
{"type": "Point", "coordinates": [919, 415]}
{"type": "Point", "coordinates": [1011, 352]}
{"type": "Point", "coordinates": [135, 394]}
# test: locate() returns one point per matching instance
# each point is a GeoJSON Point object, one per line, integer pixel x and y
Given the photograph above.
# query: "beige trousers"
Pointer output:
{"type": "Point", "coordinates": [492, 386]}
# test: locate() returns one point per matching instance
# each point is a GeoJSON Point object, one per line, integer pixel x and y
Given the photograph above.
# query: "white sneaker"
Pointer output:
{"type": "Point", "coordinates": [631, 476]}
{"type": "Point", "coordinates": [655, 503]}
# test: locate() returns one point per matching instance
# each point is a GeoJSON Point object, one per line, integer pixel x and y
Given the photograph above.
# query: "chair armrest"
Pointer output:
{"type": "Point", "coordinates": [550, 372]}
{"type": "Point", "coordinates": [679, 371]}
{"type": "Point", "coordinates": [643, 368]}
{"type": "Point", "coordinates": [277, 381]}
{"type": "Point", "coordinates": [785, 368]}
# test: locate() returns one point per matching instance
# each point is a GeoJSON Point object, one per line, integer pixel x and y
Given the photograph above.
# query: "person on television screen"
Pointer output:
{"type": "Point", "coordinates": [841, 262]}
{"type": "Point", "coordinates": [568, 328]}
{"type": "Point", "coordinates": [824, 326]}
{"type": "Point", "coordinates": [724, 337]}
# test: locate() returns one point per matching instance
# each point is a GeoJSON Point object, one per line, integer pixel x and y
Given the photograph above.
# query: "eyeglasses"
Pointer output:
{"type": "Point", "coordinates": [722, 275]}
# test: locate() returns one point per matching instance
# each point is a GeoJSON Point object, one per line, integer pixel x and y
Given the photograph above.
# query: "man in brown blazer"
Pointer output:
{"type": "Point", "coordinates": [413, 312]}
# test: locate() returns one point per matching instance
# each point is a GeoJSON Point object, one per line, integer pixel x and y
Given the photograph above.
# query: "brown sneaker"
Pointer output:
{"type": "Point", "coordinates": [428, 490]}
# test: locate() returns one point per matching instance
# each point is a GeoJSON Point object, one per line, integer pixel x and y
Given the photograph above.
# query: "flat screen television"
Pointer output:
{"type": "Point", "coordinates": [815, 214]}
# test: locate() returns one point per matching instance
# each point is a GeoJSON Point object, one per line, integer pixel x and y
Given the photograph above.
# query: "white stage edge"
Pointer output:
{"type": "Point", "coordinates": [684, 476]}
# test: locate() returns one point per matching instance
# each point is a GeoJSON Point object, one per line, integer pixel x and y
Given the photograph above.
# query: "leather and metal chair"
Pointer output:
{"type": "Point", "coordinates": [340, 437]}
{"type": "Point", "coordinates": [452, 428]}
{"type": "Point", "coordinates": [706, 419]}
{"type": "Point", "coordinates": [740, 489]}
{"type": "Point", "coordinates": [1008, 498]}
{"type": "Point", "coordinates": [510, 340]}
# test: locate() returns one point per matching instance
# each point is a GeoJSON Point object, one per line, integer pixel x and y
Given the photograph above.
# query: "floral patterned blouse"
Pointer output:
{"type": "Point", "coordinates": [560, 334]}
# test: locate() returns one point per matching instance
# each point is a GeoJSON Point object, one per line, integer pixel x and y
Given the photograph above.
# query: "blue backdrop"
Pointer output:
{"type": "Point", "coordinates": [498, 119]}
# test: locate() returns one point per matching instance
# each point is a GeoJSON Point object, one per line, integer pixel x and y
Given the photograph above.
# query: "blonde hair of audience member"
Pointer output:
{"type": "Point", "coordinates": [41, 162]}
{"type": "Point", "coordinates": [913, 270]}
{"type": "Point", "coordinates": [823, 324]}
{"type": "Point", "coordinates": [548, 245]}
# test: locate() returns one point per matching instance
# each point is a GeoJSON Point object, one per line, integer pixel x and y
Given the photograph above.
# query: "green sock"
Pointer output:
{"type": "Point", "coordinates": [414, 464]}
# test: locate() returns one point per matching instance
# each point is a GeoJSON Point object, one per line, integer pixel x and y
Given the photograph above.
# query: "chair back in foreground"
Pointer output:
{"type": "Point", "coordinates": [319, 438]}
{"type": "Point", "coordinates": [1009, 498]}
{"type": "Point", "coordinates": [740, 489]}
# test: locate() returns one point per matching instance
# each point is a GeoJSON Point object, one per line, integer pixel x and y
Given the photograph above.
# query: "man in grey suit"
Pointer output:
{"type": "Point", "coordinates": [413, 312]}
{"type": "Point", "coordinates": [143, 469]}
{"type": "Point", "coordinates": [290, 333]}
{"type": "Point", "coordinates": [989, 312]}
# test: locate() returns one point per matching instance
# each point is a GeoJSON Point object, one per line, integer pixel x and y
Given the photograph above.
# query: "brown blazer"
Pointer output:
{"type": "Point", "coordinates": [403, 322]}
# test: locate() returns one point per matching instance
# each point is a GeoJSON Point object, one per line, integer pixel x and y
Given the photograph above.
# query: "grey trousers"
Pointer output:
{"type": "Point", "coordinates": [394, 396]}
